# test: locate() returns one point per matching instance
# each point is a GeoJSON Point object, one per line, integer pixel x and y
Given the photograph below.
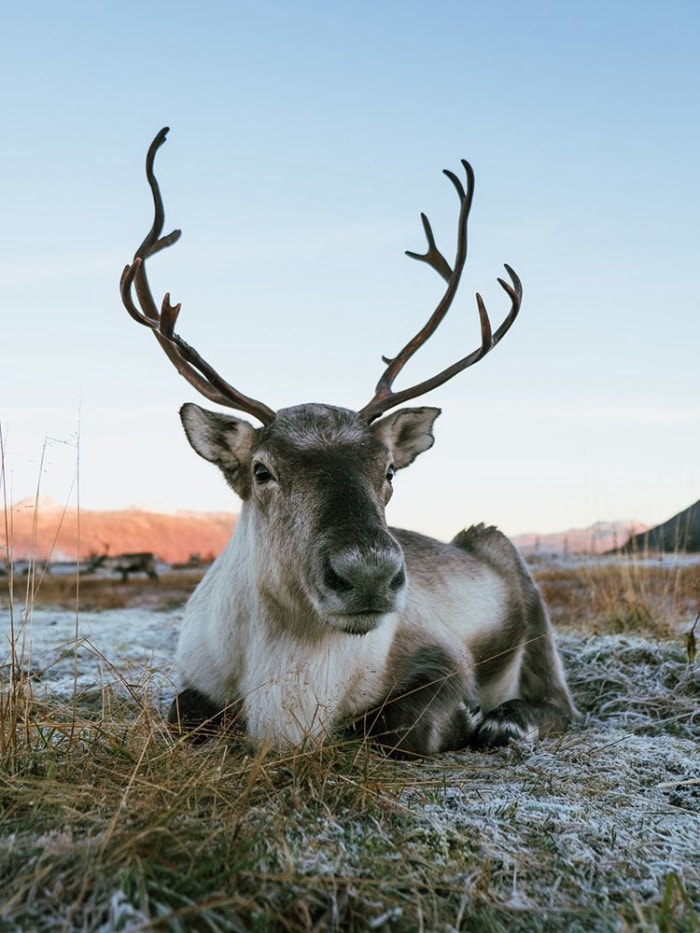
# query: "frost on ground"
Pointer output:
{"type": "Point", "coordinates": [65, 654]}
{"type": "Point", "coordinates": [606, 816]}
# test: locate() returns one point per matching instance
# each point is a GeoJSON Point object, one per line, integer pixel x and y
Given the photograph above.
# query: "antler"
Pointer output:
{"type": "Point", "coordinates": [185, 358]}
{"type": "Point", "coordinates": [384, 398]}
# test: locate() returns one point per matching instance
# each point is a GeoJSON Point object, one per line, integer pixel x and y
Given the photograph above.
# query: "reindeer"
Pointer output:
{"type": "Point", "coordinates": [319, 616]}
{"type": "Point", "coordinates": [138, 562]}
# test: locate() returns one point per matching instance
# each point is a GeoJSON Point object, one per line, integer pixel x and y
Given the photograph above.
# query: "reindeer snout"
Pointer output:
{"type": "Point", "coordinates": [365, 581]}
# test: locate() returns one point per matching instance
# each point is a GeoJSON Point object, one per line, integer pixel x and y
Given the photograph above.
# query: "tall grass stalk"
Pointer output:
{"type": "Point", "coordinates": [16, 702]}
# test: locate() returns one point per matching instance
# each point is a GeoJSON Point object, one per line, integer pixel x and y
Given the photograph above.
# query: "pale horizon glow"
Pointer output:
{"type": "Point", "coordinates": [305, 140]}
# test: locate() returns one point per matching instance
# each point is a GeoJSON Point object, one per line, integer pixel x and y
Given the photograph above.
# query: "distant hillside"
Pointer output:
{"type": "Point", "coordinates": [679, 533]}
{"type": "Point", "coordinates": [49, 532]}
{"type": "Point", "coordinates": [596, 539]}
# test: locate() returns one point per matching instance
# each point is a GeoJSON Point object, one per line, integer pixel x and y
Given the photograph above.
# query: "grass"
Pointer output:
{"type": "Point", "coordinates": [109, 822]}
{"type": "Point", "coordinates": [622, 595]}
{"type": "Point", "coordinates": [97, 592]}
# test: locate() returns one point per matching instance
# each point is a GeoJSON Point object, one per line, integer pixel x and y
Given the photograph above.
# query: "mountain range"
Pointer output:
{"type": "Point", "coordinates": [46, 531]}
{"type": "Point", "coordinates": [51, 532]}
{"type": "Point", "coordinates": [679, 533]}
{"type": "Point", "coordinates": [596, 539]}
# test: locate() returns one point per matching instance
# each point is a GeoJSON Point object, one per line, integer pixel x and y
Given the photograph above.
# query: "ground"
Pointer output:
{"type": "Point", "coordinates": [110, 823]}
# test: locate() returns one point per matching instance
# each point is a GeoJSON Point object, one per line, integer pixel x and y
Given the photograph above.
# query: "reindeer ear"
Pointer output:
{"type": "Point", "coordinates": [406, 433]}
{"type": "Point", "coordinates": [222, 439]}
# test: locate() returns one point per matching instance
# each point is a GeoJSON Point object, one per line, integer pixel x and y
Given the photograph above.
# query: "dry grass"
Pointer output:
{"type": "Point", "coordinates": [97, 592]}
{"type": "Point", "coordinates": [110, 823]}
{"type": "Point", "coordinates": [621, 595]}
{"type": "Point", "coordinates": [595, 594]}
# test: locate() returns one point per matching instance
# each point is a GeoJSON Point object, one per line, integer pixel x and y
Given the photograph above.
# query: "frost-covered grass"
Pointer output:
{"type": "Point", "coordinates": [107, 822]}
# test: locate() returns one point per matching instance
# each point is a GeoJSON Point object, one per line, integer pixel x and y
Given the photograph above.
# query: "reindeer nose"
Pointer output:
{"type": "Point", "coordinates": [372, 579]}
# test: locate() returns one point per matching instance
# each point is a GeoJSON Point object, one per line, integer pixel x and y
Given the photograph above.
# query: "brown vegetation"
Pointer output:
{"type": "Point", "coordinates": [109, 822]}
{"type": "Point", "coordinates": [91, 593]}
{"type": "Point", "coordinates": [621, 595]}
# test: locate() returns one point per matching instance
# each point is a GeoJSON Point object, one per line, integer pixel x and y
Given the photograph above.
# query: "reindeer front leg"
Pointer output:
{"type": "Point", "coordinates": [431, 705]}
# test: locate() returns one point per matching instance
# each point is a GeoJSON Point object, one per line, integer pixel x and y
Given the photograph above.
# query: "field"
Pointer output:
{"type": "Point", "coordinates": [108, 822]}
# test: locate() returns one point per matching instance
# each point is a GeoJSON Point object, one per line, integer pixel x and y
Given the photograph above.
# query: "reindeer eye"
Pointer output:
{"type": "Point", "coordinates": [261, 473]}
{"type": "Point", "coordinates": [390, 473]}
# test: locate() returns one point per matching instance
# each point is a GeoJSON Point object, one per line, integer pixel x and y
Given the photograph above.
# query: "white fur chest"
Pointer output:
{"type": "Point", "coordinates": [294, 692]}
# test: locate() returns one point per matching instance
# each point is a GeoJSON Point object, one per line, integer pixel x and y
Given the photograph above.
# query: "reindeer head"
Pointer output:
{"type": "Point", "coordinates": [315, 479]}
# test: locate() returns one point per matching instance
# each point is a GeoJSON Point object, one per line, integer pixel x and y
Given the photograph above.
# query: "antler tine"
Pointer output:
{"type": "Point", "coordinates": [185, 358]}
{"type": "Point", "coordinates": [384, 397]}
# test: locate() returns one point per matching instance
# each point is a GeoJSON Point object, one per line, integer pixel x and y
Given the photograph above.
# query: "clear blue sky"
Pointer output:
{"type": "Point", "coordinates": [306, 138]}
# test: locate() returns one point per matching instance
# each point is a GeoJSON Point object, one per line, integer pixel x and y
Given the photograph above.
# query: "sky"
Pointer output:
{"type": "Point", "coordinates": [306, 138]}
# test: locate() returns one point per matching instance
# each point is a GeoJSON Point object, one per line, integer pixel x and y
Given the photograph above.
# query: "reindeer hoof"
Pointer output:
{"type": "Point", "coordinates": [192, 712]}
{"type": "Point", "coordinates": [507, 723]}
